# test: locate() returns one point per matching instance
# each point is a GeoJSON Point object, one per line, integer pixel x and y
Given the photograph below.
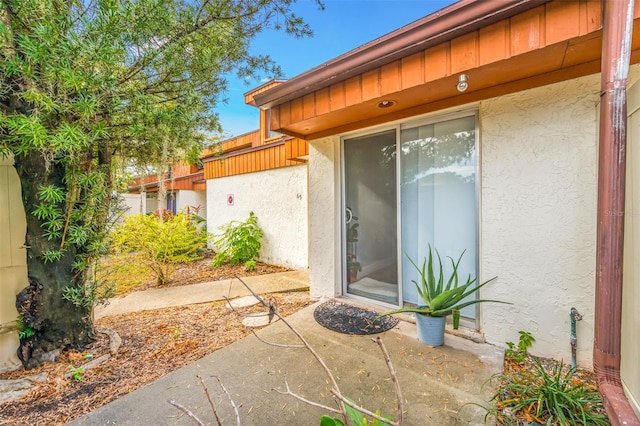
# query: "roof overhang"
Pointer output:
{"type": "Point", "coordinates": [501, 46]}
{"type": "Point", "coordinates": [446, 24]}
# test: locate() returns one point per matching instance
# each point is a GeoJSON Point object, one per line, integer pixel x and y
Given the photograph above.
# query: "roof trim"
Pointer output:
{"type": "Point", "coordinates": [448, 23]}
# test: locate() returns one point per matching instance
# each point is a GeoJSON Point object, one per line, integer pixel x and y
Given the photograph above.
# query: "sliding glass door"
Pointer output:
{"type": "Point", "coordinates": [438, 192]}
{"type": "Point", "coordinates": [370, 219]}
{"type": "Point", "coordinates": [435, 177]}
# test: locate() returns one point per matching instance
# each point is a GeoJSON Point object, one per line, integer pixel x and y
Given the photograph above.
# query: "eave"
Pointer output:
{"type": "Point", "coordinates": [550, 42]}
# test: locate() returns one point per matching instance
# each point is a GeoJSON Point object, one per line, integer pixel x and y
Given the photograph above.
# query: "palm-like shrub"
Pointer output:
{"type": "Point", "coordinates": [439, 297]}
{"type": "Point", "coordinates": [239, 242]}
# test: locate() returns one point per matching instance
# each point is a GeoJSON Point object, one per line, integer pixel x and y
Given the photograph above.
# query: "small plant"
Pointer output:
{"type": "Point", "coordinates": [439, 296]}
{"type": "Point", "coordinates": [551, 398]}
{"type": "Point", "coordinates": [250, 265]}
{"type": "Point", "coordinates": [160, 244]}
{"type": "Point", "coordinates": [239, 242]}
{"type": "Point", "coordinates": [90, 294]}
{"type": "Point", "coordinates": [24, 332]}
{"type": "Point", "coordinates": [520, 352]}
{"type": "Point", "coordinates": [356, 417]}
{"type": "Point", "coordinates": [76, 372]}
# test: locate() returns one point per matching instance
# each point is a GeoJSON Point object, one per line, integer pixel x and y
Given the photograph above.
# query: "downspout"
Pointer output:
{"type": "Point", "coordinates": [616, 47]}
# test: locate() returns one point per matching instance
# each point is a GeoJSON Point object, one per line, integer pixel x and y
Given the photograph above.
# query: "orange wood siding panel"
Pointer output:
{"type": "Point", "coordinates": [295, 148]}
{"type": "Point", "coordinates": [264, 158]}
{"type": "Point", "coordinates": [493, 44]}
{"type": "Point", "coordinates": [436, 62]}
{"type": "Point", "coordinates": [412, 69]}
{"type": "Point", "coordinates": [370, 85]}
{"type": "Point", "coordinates": [562, 21]}
{"type": "Point", "coordinates": [485, 54]}
{"type": "Point", "coordinates": [353, 91]}
{"type": "Point", "coordinates": [322, 101]}
{"type": "Point", "coordinates": [464, 52]}
{"type": "Point", "coordinates": [336, 97]}
{"type": "Point", "coordinates": [390, 78]}
{"type": "Point", "coordinates": [309, 106]}
{"type": "Point", "coordinates": [526, 31]}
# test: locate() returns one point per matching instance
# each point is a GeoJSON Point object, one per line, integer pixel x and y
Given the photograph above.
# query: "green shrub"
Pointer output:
{"type": "Point", "coordinates": [519, 353]}
{"type": "Point", "coordinates": [551, 398]}
{"type": "Point", "coordinates": [160, 244]}
{"type": "Point", "coordinates": [239, 242]}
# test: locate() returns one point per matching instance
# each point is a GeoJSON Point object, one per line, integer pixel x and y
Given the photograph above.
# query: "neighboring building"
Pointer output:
{"type": "Point", "coordinates": [185, 187]}
{"type": "Point", "coordinates": [476, 128]}
{"type": "Point", "coordinates": [263, 172]}
{"type": "Point", "coordinates": [260, 171]}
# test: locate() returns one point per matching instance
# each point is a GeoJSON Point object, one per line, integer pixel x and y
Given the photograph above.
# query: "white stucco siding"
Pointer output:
{"type": "Point", "coordinates": [538, 215]}
{"type": "Point", "coordinates": [324, 233]}
{"type": "Point", "coordinates": [197, 199]}
{"type": "Point", "coordinates": [279, 199]}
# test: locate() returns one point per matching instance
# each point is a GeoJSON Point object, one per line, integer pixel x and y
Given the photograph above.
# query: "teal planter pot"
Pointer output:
{"type": "Point", "coordinates": [430, 329]}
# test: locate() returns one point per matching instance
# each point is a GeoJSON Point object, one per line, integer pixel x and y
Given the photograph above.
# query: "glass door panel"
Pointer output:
{"type": "Point", "coordinates": [370, 222]}
{"type": "Point", "coordinates": [438, 193]}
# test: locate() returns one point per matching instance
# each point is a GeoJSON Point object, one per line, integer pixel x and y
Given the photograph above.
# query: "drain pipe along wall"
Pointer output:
{"type": "Point", "coordinates": [616, 47]}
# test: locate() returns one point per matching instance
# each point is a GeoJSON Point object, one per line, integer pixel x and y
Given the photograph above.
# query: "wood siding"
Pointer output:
{"type": "Point", "coordinates": [280, 154]}
{"type": "Point", "coordinates": [555, 41]}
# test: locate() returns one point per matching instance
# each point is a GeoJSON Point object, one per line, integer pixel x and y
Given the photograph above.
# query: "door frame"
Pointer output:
{"type": "Point", "coordinates": [398, 126]}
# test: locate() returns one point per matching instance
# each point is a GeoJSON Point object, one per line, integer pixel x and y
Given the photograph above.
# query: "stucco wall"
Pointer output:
{"type": "Point", "coordinates": [324, 234]}
{"type": "Point", "coordinates": [279, 198]}
{"type": "Point", "coordinates": [538, 215]}
{"type": "Point", "coordinates": [186, 198]}
{"type": "Point", "coordinates": [13, 261]}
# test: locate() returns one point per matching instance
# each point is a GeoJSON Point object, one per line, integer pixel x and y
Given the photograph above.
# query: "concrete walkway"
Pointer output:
{"type": "Point", "coordinates": [437, 383]}
{"type": "Point", "coordinates": [204, 292]}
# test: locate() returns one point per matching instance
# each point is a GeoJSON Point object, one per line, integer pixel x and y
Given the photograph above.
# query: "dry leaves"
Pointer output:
{"type": "Point", "coordinates": [154, 343]}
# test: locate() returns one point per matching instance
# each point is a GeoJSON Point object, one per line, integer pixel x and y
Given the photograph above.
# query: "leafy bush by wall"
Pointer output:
{"type": "Point", "coordinates": [160, 244]}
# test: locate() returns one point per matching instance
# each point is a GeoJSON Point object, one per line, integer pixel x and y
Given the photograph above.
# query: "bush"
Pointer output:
{"type": "Point", "coordinates": [160, 244]}
{"type": "Point", "coordinates": [239, 242]}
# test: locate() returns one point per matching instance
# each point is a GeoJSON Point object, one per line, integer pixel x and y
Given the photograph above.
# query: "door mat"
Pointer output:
{"type": "Point", "coordinates": [349, 319]}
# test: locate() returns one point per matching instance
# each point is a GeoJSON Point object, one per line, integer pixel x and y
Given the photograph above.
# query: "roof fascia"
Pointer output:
{"type": "Point", "coordinates": [446, 24]}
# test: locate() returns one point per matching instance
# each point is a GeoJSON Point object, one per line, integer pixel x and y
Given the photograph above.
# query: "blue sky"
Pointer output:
{"type": "Point", "coordinates": [341, 27]}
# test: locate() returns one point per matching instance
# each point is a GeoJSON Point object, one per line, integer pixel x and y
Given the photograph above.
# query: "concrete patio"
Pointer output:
{"type": "Point", "coordinates": [437, 383]}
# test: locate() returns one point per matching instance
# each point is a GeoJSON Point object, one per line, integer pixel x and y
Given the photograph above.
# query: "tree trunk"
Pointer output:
{"type": "Point", "coordinates": [58, 323]}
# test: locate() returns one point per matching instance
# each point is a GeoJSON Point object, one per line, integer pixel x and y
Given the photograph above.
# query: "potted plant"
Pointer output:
{"type": "Point", "coordinates": [440, 298]}
{"type": "Point", "coordinates": [353, 267]}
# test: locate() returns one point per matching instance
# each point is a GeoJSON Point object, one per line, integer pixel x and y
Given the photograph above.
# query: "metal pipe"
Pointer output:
{"type": "Point", "coordinates": [616, 50]}
{"type": "Point", "coordinates": [575, 316]}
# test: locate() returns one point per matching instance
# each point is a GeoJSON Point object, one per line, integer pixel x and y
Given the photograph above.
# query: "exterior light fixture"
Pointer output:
{"type": "Point", "coordinates": [386, 104]}
{"type": "Point", "coordinates": [463, 84]}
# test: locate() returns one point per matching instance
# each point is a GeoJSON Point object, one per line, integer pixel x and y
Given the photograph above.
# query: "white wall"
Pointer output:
{"type": "Point", "coordinates": [135, 204]}
{"type": "Point", "coordinates": [538, 215]}
{"type": "Point", "coordinates": [13, 261]}
{"type": "Point", "coordinates": [278, 197]}
{"type": "Point", "coordinates": [324, 216]}
{"type": "Point", "coordinates": [186, 198]}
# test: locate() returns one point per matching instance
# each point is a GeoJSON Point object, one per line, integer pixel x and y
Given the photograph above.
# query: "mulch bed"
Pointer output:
{"type": "Point", "coordinates": [349, 319]}
{"type": "Point", "coordinates": [154, 343]}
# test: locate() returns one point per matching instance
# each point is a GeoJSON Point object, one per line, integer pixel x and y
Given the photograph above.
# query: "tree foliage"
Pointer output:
{"type": "Point", "coordinates": [89, 85]}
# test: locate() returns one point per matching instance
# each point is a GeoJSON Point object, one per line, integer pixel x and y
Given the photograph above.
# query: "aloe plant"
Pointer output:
{"type": "Point", "coordinates": [440, 298]}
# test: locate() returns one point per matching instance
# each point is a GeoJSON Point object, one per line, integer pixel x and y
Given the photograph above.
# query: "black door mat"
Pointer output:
{"type": "Point", "coordinates": [349, 319]}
